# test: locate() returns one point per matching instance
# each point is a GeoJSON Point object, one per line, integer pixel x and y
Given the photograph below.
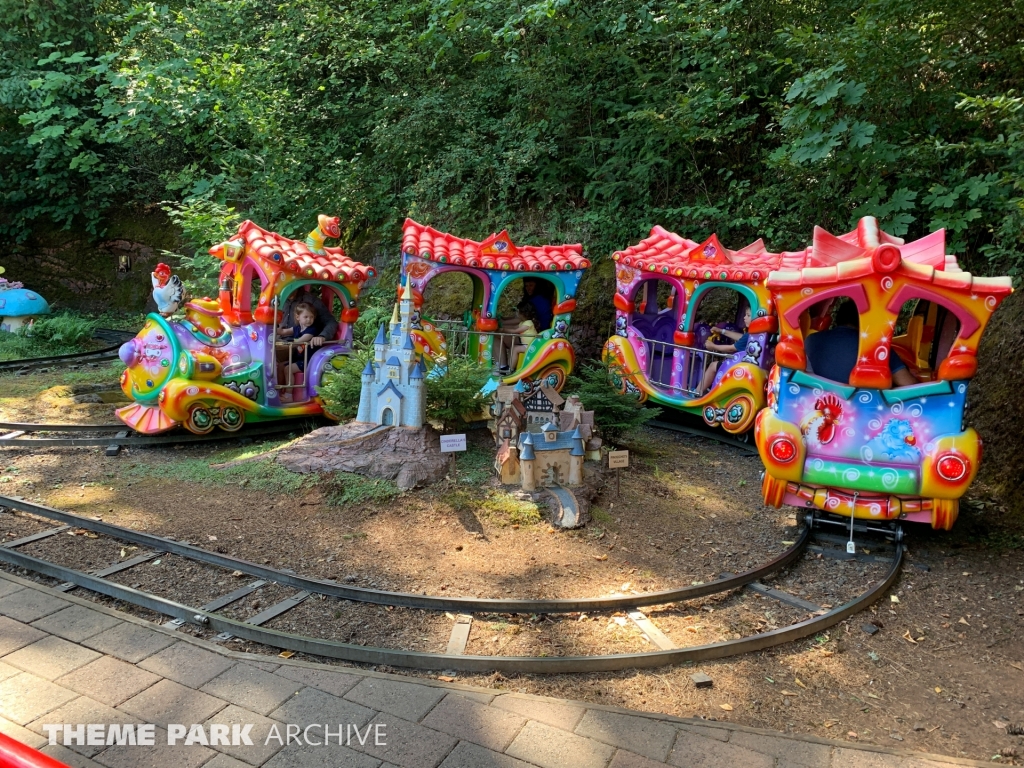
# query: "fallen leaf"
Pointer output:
{"type": "Point", "coordinates": [726, 707]}
{"type": "Point", "coordinates": [893, 599]}
{"type": "Point", "coordinates": [237, 574]}
{"type": "Point", "coordinates": [938, 690]}
{"type": "Point", "coordinates": [1017, 666]}
{"type": "Point", "coordinates": [963, 621]}
{"type": "Point", "coordinates": [212, 538]}
{"type": "Point", "coordinates": [872, 696]}
{"type": "Point", "coordinates": [799, 682]}
{"type": "Point", "coordinates": [446, 678]}
{"type": "Point", "coordinates": [600, 557]}
{"type": "Point", "coordinates": [790, 693]}
{"type": "Point", "coordinates": [1000, 723]}
{"type": "Point", "coordinates": [827, 653]}
{"type": "Point", "coordinates": [788, 543]}
{"type": "Point", "coordinates": [908, 638]}
{"type": "Point", "coordinates": [852, 734]}
{"type": "Point", "coordinates": [830, 723]}
{"type": "Point", "coordinates": [286, 654]}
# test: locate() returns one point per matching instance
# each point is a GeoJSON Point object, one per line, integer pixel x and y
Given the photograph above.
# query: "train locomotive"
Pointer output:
{"type": "Point", "coordinates": [864, 448]}
{"type": "Point", "coordinates": [220, 365]}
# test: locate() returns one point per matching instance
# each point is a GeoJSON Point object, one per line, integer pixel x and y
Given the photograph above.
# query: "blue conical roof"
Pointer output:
{"type": "Point", "coordinates": [368, 370]}
{"type": "Point", "coordinates": [408, 342]}
{"type": "Point", "coordinates": [526, 447]}
{"type": "Point", "coordinates": [381, 336]}
{"type": "Point", "coordinates": [417, 372]}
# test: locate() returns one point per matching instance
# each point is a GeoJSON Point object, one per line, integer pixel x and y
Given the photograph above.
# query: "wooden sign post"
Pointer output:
{"type": "Point", "coordinates": [617, 460]}
{"type": "Point", "coordinates": [453, 444]}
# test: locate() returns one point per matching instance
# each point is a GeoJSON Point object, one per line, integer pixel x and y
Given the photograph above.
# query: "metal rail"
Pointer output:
{"type": "Point", "coordinates": [172, 438]}
{"type": "Point", "coordinates": [407, 599]}
{"type": "Point", "coordinates": [420, 660]}
{"type": "Point", "coordinates": [716, 435]}
{"type": "Point", "coordinates": [107, 353]}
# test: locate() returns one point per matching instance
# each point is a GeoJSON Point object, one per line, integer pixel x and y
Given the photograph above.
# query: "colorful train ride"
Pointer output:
{"type": "Point", "coordinates": [493, 266]}
{"type": "Point", "coordinates": [659, 349]}
{"type": "Point", "coordinates": [225, 363]}
{"type": "Point", "coordinates": [863, 448]}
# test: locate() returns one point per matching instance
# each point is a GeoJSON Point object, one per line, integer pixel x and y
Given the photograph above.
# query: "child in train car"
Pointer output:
{"type": "Point", "coordinates": [527, 332]}
{"type": "Point", "coordinates": [306, 327]}
{"type": "Point", "coordinates": [832, 353]}
{"type": "Point", "coordinates": [716, 343]}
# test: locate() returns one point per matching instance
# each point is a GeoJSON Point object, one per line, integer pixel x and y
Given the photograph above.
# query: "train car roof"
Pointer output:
{"type": "Point", "coordinates": [281, 254]}
{"type": "Point", "coordinates": [496, 252]}
{"type": "Point", "coordinates": [666, 253]}
{"type": "Point", "coordinates": [868, 250]}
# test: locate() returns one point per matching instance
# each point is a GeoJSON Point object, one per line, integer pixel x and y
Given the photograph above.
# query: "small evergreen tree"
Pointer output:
{"type": "Point", "coordinates": [615, 414]}
{"type": "Point", "coordinates": [339, 389]}
{"type": "Point", "coordinates": [455, 394]}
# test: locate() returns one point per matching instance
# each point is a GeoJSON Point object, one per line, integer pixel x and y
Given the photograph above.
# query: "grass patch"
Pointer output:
{"type": "Point", "coordinates": [346, 489]}
{"type": "Point", "coordinates": [32, 384]}
{"type": "Point", "coordinates": [602, 516]}
{"type": "Point", "coordinates": [504, 509]}
{"type": "Point", "coordinates": [260, 475]}
{"type": "Point", "coordinates": [475, 466]}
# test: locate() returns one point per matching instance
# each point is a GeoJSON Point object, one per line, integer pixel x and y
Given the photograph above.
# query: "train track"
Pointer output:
{"type": "Point", "coordinates": [718, 435]}
{"type": "Point", "coordinates": [20, 435]}
{"type": "Point", "coordinates": [208, 616]}
{"type": "Point", "coordinates": [26, 365]}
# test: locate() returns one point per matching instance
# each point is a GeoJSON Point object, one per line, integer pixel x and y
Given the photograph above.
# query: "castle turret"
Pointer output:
{"type": "Point", "coordinates": [526, 462]}
{"type": "Point", "coordinates": [395, 325]}
{"type": "Point", "coordinates": [416, 414]}
{"type": "Point", "coordinates": [406, 307]}
{"type": "Point", "coordinates": [365, 412]}
{"type": "Point", "coordinates": [576, 455]}
{"type": "Point", "coordinates": [380, 345]}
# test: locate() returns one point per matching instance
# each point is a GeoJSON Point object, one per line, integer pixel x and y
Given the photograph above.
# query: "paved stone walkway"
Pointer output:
{"type": "Point", "coordinates": [67, 660]}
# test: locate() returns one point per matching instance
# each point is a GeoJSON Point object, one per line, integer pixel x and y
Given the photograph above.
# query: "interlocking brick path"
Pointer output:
{"type": "Point", "coordinates": [67, 660]}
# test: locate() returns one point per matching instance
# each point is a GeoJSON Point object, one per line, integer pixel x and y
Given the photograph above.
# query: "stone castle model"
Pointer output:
{"type": "Point", "coordinates": [392, 393]}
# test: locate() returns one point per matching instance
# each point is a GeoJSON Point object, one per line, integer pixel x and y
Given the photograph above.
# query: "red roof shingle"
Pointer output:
{"type": "Point", "coordinates": [281, 253]}
{"type": "Point", "coordinates": [496, 252]}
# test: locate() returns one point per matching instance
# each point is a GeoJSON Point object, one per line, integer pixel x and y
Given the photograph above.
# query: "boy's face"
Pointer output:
{"type": "Point", "coordinates": [304, 318]}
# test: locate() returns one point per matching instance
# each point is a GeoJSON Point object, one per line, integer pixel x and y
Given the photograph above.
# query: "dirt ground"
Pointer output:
{"type": "Point", "coordinates": [944, 672]}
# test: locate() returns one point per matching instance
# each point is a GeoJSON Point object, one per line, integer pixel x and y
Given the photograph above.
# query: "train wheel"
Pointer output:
{"type": "Point", "coordinates": [231, 418]}
{"type": "Point", "coordinates": [773, 490]}
{"type": "Point", "coordinates": [200, 420]}
{"type": "Point", "coordinates": [553, 376]}
{"type": "Point", "coordinates": [739, 414]}
{"type": "Point", "coordinates": [944, 513]}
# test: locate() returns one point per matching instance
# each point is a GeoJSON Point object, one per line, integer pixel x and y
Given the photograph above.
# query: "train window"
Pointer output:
{"type": "Point", "coordinates": [448, 297]}
{"type": "Point", "coordinates": [515, 291]}
{"type": "Point", "coordinates": [255, 288]}
{"type": "Point", "coordinates": [719, 305]}
{"type": "Point", "coordinates": [924, 334]}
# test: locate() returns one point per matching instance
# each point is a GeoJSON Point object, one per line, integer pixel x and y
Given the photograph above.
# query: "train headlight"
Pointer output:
{"type": "Point", "coordinates": [951, 467]}
{"type": "Point", "coordinates": [782, 449]}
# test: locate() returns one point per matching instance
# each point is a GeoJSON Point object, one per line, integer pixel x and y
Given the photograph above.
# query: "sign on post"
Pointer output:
{"type": "Point", "coordinates": [616, 459]}
{"type": "Point", "coordinates": [452, 443]}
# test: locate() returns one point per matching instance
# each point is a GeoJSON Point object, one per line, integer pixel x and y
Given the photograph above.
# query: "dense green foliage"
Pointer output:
{"type": "Point", "coordinates": [616, 415]}
{"type": "Point", "coordinates": [339, 390]}
{"type": "Point", "coordinates": [563, 120]}
{"type": "Point", "coordinates": [454, 396]}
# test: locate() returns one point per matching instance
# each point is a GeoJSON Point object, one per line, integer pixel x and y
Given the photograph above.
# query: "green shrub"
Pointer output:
{"type": "Point", "coordinates": [615, 414]}
{"type": "Point", "coordinates": [340, 388]}
{"type": "Point", "coordinates": [455, 395]}
{"type": "Point", "coordinates": [65, 329]}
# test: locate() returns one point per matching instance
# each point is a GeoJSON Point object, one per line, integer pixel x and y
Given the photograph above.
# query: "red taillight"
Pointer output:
{"type": "Point", "coordinates": [783, 450]}
{"type": "Point", "coordinates": [951, 468]}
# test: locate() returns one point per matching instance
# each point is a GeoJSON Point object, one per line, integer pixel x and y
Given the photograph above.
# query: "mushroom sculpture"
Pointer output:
{"type": "Point", "coordinates": [19, 307]}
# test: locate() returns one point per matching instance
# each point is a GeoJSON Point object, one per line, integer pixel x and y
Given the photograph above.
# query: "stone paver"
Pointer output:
{"type": "Point", "coordinates": [858, 758]}
{"type": "Point", "coordinates": [25, 697]}
{"type": "Point", "coordinates": [8, 588]}
{"type": "Point", "coordinates": [186, 664]}
{"type": "Point", "coordinates": [252, 688]}
{"type": "Point", "coordinates": [695, 751]}
{"type": "Point", "coordinates": [624, 759]}
{"type": "Point", "coordinates": [307, 756]}
{"type": "Point", "coordinates": [261, 748]}
{"type": "Point", "coordinates": [467, 755]}
{"type": "Point", "coordinates": [311, 705]}
{"type": "Point", "coordinates": [403, 743]}
{"type": "Point", "coordinates": [337, 683]}
{"type": "Point", "coordinates": [465, 719]}
{"type": "Point", "coordinates": [129, 642]}
{"type": "Point", "coordinates": [171, 702]}
{"type": "Point", "coordinates": [722, 734]}
{"type": "Point", "coordinates": [76, 623]}
{"type": "Point", "coordinates": [27, 605]}
{"type": "Point", "coordinates": [220, 760]}
{"type": "Point", "coordinates": [69, 757]}
{"type": "Point", "coordinates": [15, 635]}
{"type": "Point", "coordinates": [24, 735]}
{"type": "Point", "coordinates": [795, 752]}
{"type": "Point", "coordinates": [6, 670]}
{"type": "Point", "coordinates": [407, 700]}
{"type": "Point", "coordinates": [108, 680]}
{"type": "Point", "coordinates": [160, 754]}
{"type": "Point", "coordinates": [51, 657]}
{"type": "Point", "coordinates": [82, 711]}
{"type": "Point", "coordinates": [642, 735]}
{"type": "Point", "coordinates": [554, 748]}
{"type": "Point", "coordinates": [564, 716]}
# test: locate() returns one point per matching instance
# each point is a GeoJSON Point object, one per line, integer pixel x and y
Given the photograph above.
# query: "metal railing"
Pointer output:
{"type": "Point", "coordinates": [457, 338]}
{"type": "Point", "coordinates": [660, 367]}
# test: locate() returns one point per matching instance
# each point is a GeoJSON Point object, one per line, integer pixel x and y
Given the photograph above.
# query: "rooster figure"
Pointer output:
{"type": "Point", "coordinates": [820, 425]}
{"type": "Point", "coordinates": [168, 292]}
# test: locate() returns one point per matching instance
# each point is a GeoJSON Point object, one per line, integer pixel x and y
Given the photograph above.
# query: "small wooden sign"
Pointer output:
{"type": "Point", "coordinates": [616, 459]}
{"type": "Point", "coordinates": [452, 443]}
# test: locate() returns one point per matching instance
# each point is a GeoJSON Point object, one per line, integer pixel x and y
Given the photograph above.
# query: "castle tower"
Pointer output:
{"type": "Point", "coordinates": [406, 307]}
{"type": "Point", "coordinates": [379, 345]}
{"type": "Point", "coordinates": [395, 324]}
{"type": "Point", "coordinates": [526, 462]}
{"type": "Point", "coordinates": [576, 455]}
{"type": "Point", "coordinates": [415, 415]}
{"type": "Point", "coordinates": [369, 372]}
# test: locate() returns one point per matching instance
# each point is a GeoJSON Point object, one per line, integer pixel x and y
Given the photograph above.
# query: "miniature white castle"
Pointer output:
{"type": "Point", "coordinates": [393, 393]}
